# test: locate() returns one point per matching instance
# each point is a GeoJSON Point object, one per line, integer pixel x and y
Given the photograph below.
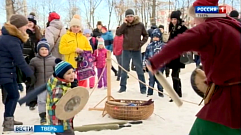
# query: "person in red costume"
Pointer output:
{"type": "Point", "coordinates": [218, 42]}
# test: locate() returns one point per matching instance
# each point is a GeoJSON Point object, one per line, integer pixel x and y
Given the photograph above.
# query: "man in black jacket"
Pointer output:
{"type": "Point", "coordinates": [132, 30]}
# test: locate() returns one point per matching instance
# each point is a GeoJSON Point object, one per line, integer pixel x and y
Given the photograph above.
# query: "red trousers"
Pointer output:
{"type": "Point", "coordinates": [83, 83]}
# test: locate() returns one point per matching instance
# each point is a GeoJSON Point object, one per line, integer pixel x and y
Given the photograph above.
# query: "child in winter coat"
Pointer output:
{"type": "Point", "coordinates": [73, 43]}
{"type": "Point", "coordinates": [100, 56]}
{"type": "Point", "coordinates": [57, 86]}
{"type": "Point", "coordinates": [92, 40]}
{"type": "Point", "coordinates": [154, 47]}
{"type": "Point", "coordinates": [93, 43]}
{"type": "Point", "coordinates": [108, 39]}
{"type": "Point", "coordinates": [43, 67]}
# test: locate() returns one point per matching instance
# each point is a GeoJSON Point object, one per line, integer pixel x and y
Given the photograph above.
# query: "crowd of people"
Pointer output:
{"type": "Point", "coordinates": [34, 58]}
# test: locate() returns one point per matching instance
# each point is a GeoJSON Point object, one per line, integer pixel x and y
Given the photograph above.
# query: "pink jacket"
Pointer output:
{"type": "Point", "coordinates": [100, 56]}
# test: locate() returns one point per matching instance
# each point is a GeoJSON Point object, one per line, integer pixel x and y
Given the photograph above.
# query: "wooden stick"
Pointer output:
{"type": "Point", "coordinates": [108, 75]}
{"type": "Point", "coordinates": [96, 109]}
{"type": "Point", "coordinates": [161, 79]}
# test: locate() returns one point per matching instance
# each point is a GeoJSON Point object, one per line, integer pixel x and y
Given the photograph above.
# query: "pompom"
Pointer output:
{"type": "Point", "coordinates": [32, 13]}
{"type": "Point", "coordinates": [180, 13]}
{"type": "Point", "coordinates": [99, 23]}
{"type": "Point", "coordinates": [57, 60]}
{"type": "Point", "coordinates": [76, 16]}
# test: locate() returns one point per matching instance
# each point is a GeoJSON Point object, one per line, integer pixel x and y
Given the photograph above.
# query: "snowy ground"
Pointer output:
{"type": "Point", "coordinates": [167, 119]}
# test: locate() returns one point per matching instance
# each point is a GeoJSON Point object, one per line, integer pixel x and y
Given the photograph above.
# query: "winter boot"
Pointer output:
{"type": "Point", "coordinates": [43, 120]}
{"type": "Point", "coordinates": [17, 122]}
{"type": "Point", "coordinates": [8, 124]}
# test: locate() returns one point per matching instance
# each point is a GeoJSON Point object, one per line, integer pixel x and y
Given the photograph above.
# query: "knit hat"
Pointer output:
{"type": "Point", "coordinates": [129, 12]}
{"type": "Point", "coordinates": [42, 43]}
{"type": "Point", "coordinates": [75, 22]}
{"type": "Point", "coordinates": [18, 20]}
{"type": "Point", "coordinates": [53, 16]}
{"type": "Point", "coordinates": [101, 41]}
{"type": "Point", "coordinates": [61, 68]}
{"type": "Point", "coordinates": [161, 26]}
{"type": "Point", "coordinates": [31, 17]}
{"type": "Point", "coordinates": [234, 13]}
{"type": "Point", "coordinates": [103, 27]}
{"type": "Point", "coordinates": [156, 33]}
{"type": "Point", "coordinates": [175, 14]}
{"type": "Point", "coordinates": [205, 3]}
{"type": "Point", "coordinates": [87, 31]}
{"type": "Point", "coordinates": [99, 23]}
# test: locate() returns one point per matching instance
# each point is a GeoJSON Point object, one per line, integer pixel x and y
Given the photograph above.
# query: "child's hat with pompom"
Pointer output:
{"type": "Point", "coordinates": [61, 68]}
{"type": "Point", "coordinates": [31, 17]}
{"type": "Point", "coordinates": [101, 41]}
{"type": "Point", "coordinates": [42, 43]}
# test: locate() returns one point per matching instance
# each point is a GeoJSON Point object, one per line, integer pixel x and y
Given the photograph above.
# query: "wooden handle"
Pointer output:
{"type": "Point", "coordinates": [161, 79]}
{"type": "Point", "coordinates": [117, 103]}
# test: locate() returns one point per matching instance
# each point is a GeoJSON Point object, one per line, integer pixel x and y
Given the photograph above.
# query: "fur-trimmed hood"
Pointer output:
{"type": "Point", "coordinates": [135, 21]}
{"type": "Point", "coordinates": [9, 29]}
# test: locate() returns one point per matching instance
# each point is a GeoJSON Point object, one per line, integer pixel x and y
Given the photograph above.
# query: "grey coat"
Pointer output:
{"type": "Point", "coordinates": [54, 33]}
{"type": "Point", "coordinates": [43, 68]}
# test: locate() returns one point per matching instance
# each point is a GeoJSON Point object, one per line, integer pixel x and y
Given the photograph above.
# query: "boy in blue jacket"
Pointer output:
{"type": "Point", "coordinates": [154, 47]}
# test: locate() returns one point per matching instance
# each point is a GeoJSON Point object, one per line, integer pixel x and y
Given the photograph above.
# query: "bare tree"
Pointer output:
{"type": "Point", "coordinates": [90, 8]}
{"type": "Point", "coordinates": [120, 8]}
{"type": "Point", "coordinates": [153, 15]}
{"type": "Point", "coordinates": [9, 8]}
{"type": "Point", "coordinates": [111, 4]}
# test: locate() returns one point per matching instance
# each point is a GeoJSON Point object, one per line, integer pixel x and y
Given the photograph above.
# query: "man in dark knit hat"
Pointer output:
{"type": "Point", "coordinates": [135, 36]}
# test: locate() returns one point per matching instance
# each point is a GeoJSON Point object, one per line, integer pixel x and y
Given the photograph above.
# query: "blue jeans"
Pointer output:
{"type": "Point", "coordinates": [152, 81]}
{"type": "Point", "coordinates": [137, 61]}
{"type": "Point", "coordinates": [11, 99]}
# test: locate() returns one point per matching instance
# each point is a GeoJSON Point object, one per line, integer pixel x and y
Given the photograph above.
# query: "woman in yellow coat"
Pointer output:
{"type": "Point", "coordinates": [73, 43]}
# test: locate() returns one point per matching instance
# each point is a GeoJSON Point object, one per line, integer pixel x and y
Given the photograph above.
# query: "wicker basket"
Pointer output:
{"type": "Point", "coordinates": [129, 112]}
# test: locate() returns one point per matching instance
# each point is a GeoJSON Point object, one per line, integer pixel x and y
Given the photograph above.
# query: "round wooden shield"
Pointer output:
{"type": "Point", "coordinates": [198, 78]}
{"type": "Point", "coordinates": [71, 103]}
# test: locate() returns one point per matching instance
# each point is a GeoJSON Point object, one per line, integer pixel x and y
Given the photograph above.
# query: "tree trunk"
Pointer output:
{"type": "Point", "coordinates": [111, 4]}
{"type": "Point", "coordinates": [9, 9]}
{"type": "Point", "coordinates": [153, 15]}
{"type": "Point", "coordinates": [93, 18]}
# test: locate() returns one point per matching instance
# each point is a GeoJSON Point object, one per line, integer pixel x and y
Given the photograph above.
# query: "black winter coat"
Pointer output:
{"type": "Point", "coordinates": [11, 55]}
{"type": "Point", "coordinates": [30, 47]}
{"type": "Point", "coordinates": [174, 31]}
{"type": "Point", "coordinates": [96, 33]}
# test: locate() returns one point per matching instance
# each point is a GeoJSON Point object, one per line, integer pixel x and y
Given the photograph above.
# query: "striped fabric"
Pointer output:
{"type": "Point", "coordinates": [56, 89]}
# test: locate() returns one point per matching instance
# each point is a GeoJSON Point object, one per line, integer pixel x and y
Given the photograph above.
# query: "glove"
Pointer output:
{"type": "Point", "coordinates": [31, 80]}
{"type": "Point", "coordinates": [74, 83]}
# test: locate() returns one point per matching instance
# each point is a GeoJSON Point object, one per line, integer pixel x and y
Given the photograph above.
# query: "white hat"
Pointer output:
{"type": "Point", "coordinates": [75, 22]}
